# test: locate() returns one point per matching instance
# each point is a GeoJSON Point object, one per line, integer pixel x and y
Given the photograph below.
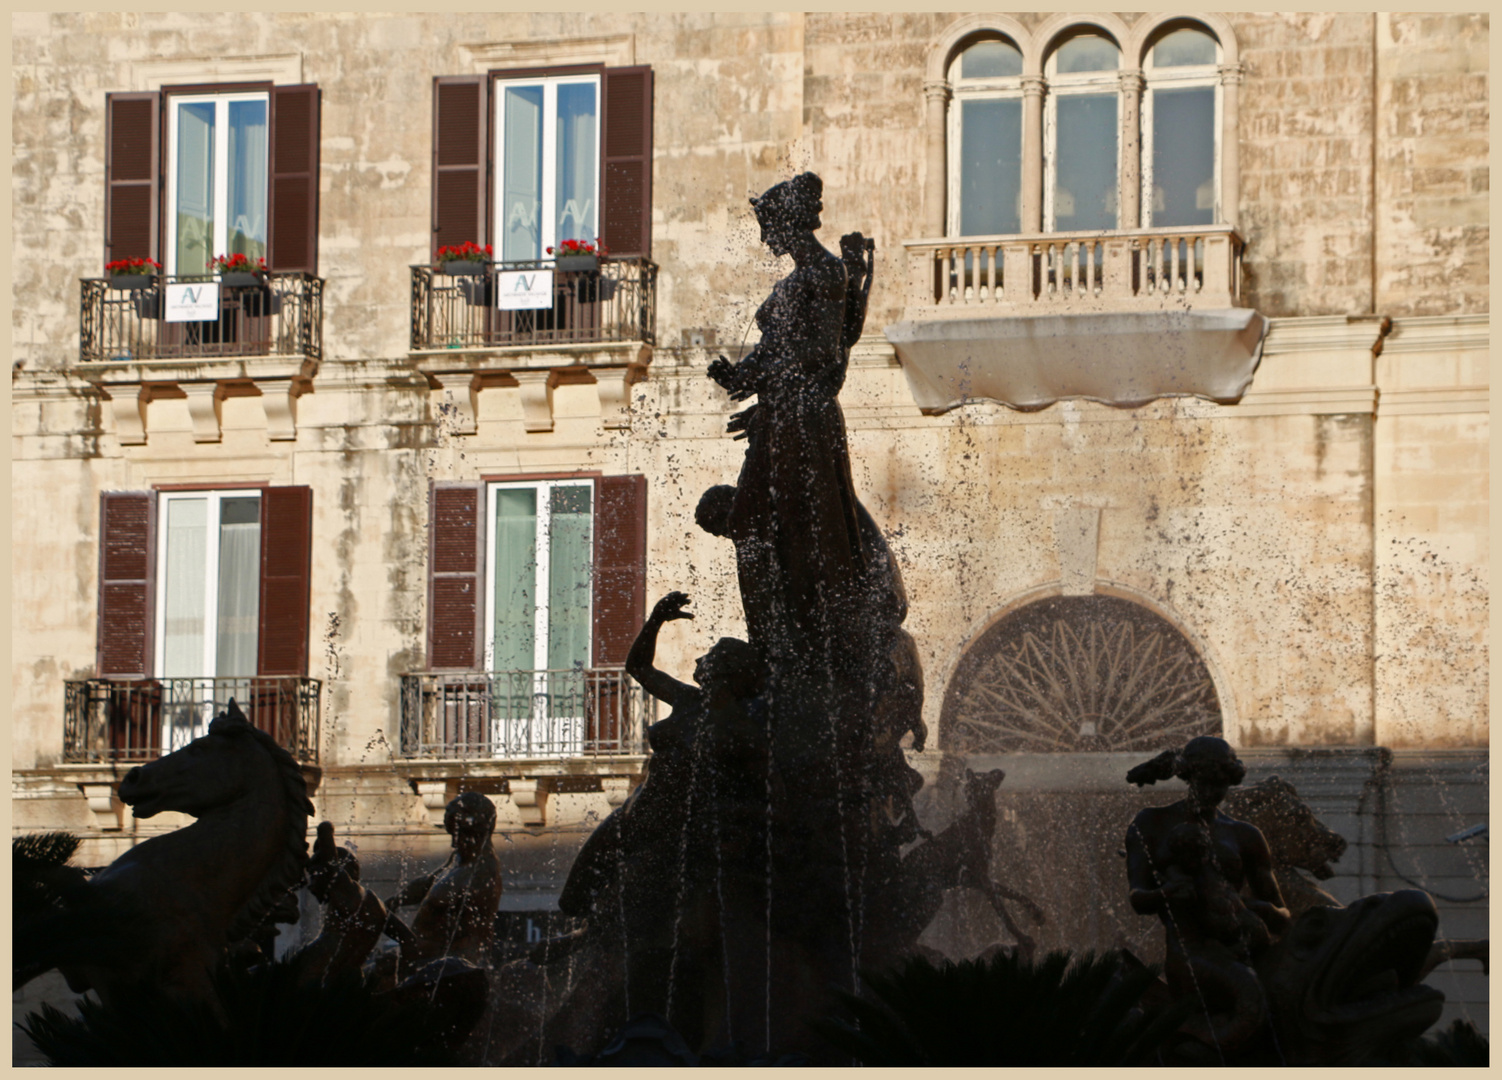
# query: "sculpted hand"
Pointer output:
{"type": "Point", "coordinates": [670, 607]}
{"type": "Point", "coordinates": [723, 372]}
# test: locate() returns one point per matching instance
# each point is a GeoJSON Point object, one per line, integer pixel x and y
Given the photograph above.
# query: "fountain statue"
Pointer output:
{"type": "Point", "coordinates": [164, 912]}
{"type": "Point", "coordinates": [758, 869]}
{"type": "Point", "coordinates": [1333, 986]}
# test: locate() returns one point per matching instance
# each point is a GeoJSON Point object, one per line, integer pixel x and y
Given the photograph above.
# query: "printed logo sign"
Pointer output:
{"type": "Point", "coordinates": [196, 302]}
{"type": "Point", "coordinates": [518, 290]}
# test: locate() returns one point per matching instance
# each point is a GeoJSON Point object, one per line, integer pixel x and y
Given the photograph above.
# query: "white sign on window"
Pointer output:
{"type": "Point", "coordinates": [517, 290]}
{"type": "Point", "coordinates": [198, 302]}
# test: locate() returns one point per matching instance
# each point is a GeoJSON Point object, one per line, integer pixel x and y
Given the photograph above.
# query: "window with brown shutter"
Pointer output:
{"type": "Point", "coordinates": [126, 561]}
{"type": "Point", "coordinates": [293, 198]}
{"type": "Point", "coordinates": [460, 157]}
{"type": "Point", "coordinates": [286, 567]}
{"type": "Point", "coordinates": [465, 170]}
{"type": "Point", "coordinates": [626, 164]}
{"type": "Point", "coordinates": [139, 161]}
{"type": "Point", "coordinates": [132, 181]}
{"type": "Point", "coordinates": [455, 573]}
{"type": "Point", "coordinates": [620, 585]}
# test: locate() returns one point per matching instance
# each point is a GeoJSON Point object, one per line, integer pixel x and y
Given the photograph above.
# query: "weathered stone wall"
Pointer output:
{"type": "Point", "coordinates": [1252, 527]}
{"type": "Point", "coordinates": [1433, 142]}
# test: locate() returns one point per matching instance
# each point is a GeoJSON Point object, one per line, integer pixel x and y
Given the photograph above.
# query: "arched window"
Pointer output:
{"type": "Point", "coordinates": [1078, 673]}
{"type": "Point", "coordinates": [1081, 131]}
{"type": "Point", "coordinates": [1181, 124]}
{"type": "Point", "coordinates": [985, 139]}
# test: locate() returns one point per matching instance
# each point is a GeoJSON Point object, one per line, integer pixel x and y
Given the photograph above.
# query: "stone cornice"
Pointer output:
{"type": "Point", "coordinates": [1320, 333]}
{"type": "Point", "coordinates": [1438, 333]}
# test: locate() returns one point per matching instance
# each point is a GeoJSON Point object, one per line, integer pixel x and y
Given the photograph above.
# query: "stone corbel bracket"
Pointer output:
{"type": "Point", "coordinates": [614, 387]}
{"type": "Point", "coordinates": [537, 398]}
{"type": "Point", "coordinates": [128, 404]}
{"type": "Point", "coordinates": [530, 797]}
{"type": "Point", "coordinates": [435, 798]}
{"type": "Point", "coordinates": [205, 401]}
{"type": "Point", "coordinates": [279, 401]}
{"type": "Point", "coordinates": [104, 801]}
{"type": "Point", "coordinates": [459, 389]}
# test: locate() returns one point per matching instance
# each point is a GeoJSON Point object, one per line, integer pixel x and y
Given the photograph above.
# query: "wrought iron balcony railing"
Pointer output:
{"type": "Point", "coordinates": [617, 301]}
{"type": "Point", "coordinates": [116, 720]}
{"type": "Point", "coordinates": [507, 715]}
{"type": "Point", "coordinates": [281, 315]}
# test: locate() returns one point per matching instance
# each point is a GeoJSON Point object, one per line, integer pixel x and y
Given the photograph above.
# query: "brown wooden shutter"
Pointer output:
{"type": "Point", "coordinates": [286, 567]}
{"type": "Point", "coordinates": [132, 176]}
{"type": "Point", "coordinates": [126, 565]}
{"type": "Point", "coordinates": [460, 160]}
{"type": "Point", "coordinates": [292, 242]}
{"type": "Point", "coordinates": [456, 571]}
{"type": "Point", "coordinates": [626, 163]}
{"type": "Point", "coordinates": [620, 585]}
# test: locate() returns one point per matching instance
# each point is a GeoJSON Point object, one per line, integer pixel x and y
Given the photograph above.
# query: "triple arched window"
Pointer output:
{"type": "Point", "coordinates": [1083, 125]}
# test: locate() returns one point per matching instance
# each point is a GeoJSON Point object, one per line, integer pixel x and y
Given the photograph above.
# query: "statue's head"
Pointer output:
{"type": "Point", "coordinates": [470, 819]}
{"type": "Point", "coordinates": [731, 664]}
{"type": "Point", "coordinates": [1210, 767]}
{"type": "Point", "coordinates": [1207, 764]}
{"type": "Point", "coordinates": [789, 207]}
{"type": "Point", "coordinates": [713, 512]}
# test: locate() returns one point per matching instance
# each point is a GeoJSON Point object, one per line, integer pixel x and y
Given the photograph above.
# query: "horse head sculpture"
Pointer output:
{"type": "Point", "coordinates": [165, 911]}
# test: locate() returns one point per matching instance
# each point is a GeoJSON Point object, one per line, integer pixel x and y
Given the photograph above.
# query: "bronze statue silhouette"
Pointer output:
{"type": "Point", "coordinates": [456, 903]}
{"type": "Point", "coordinates": [1193, 890]}
{"type": "Point", "coordinates": [165, 912]}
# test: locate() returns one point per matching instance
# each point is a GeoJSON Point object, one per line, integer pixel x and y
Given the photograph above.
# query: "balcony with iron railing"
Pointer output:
{"type": "Point", "coordinates": [110, 721]}
{"type": "Point", "coordinates": [148, 338]}
{"type": "Point", "coordinates": [614, 302]}
{"type": "Point", "coordinates": [524, 716]}
{"type": "Point", "coordinates": [130, 320]}
{"type": "Point", "coordinates": [529, 325]}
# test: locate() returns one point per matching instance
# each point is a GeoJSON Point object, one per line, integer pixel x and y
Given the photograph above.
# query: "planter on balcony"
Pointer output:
{"type": "Point", "coordinates": [238, 279]}
{"type": "Point", "coordinates": [464, 269]}
{"type": "Point", "coordinates": [129, 281]}
{"type": "Point", "coordinates": [476, 291]}
{"type": "Point", "coordinates": [148, 303]}
{"type": "Point", "coordinates": [261, 303]}
{"type": "Point", "coordinates": [577, 262]}
{"type": "Point", "coordinates": [594, 288]}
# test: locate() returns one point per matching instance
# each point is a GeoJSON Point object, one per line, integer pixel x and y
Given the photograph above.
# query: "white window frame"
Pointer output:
{"type": "Point", "coordinates": [981, 89]}
{"type": "Point", "coordinates": [1179, 78]}
{"type": "Point", "coordinates": [221, 104]}
{"type": "Point", "coordinates": [544, 488]}
{"type": "Point", "coordinates": [548, 205]}
{"type": "Point", "coordinates": [176, 734]}
{"type": "Point", "coordinates": [1075, 84]}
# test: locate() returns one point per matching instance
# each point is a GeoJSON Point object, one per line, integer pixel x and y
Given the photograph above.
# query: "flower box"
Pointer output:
{"type": "Point", "coordinates": [594, 288]}
{"type": "Point", "coordinates": [240, 279]}
{"type": "Point", "coordinates": [464, 268]}
{"type": "Point", "coordinates": [130, 281]}
{"type": "Point", "coordinates": [261, 303]}
{"type": "Point", "coordinates": [148, 304]}
{"type": "Point", "coordinates": [577, 262]}
{"type": "Point", "coordinates": [476, 291]}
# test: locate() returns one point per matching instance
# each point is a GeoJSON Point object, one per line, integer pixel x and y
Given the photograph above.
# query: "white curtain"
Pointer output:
{"type": "Point", "coordinates": [239, 587]}
{"type": "Point", "coordinates": [187, 549]}
{"type": "Point", "coordinates": [247, 178]}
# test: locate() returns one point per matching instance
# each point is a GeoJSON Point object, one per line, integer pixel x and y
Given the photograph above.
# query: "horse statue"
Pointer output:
{"type": "Point", "coordinates": [165, 911]}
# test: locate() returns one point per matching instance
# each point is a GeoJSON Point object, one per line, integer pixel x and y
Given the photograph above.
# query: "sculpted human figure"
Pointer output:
{"type": "Point", "coordinates": [353, 916]}
{"type": "Point", "coordinates": [1188, 863]}
{"type": "Point", "coordinates": [793, 516]}
{"type": "Point", "coordinates": [646, 862]}
{"type": "Point", "coordinates": [457, 903]}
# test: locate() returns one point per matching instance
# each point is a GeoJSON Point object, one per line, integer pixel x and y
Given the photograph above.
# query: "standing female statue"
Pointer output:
{"type": "Point", "coordinates": [794, 515]}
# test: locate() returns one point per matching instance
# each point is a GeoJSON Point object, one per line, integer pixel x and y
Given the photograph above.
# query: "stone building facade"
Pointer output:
{"type": "Point", "coordinates": [1237, 416]}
